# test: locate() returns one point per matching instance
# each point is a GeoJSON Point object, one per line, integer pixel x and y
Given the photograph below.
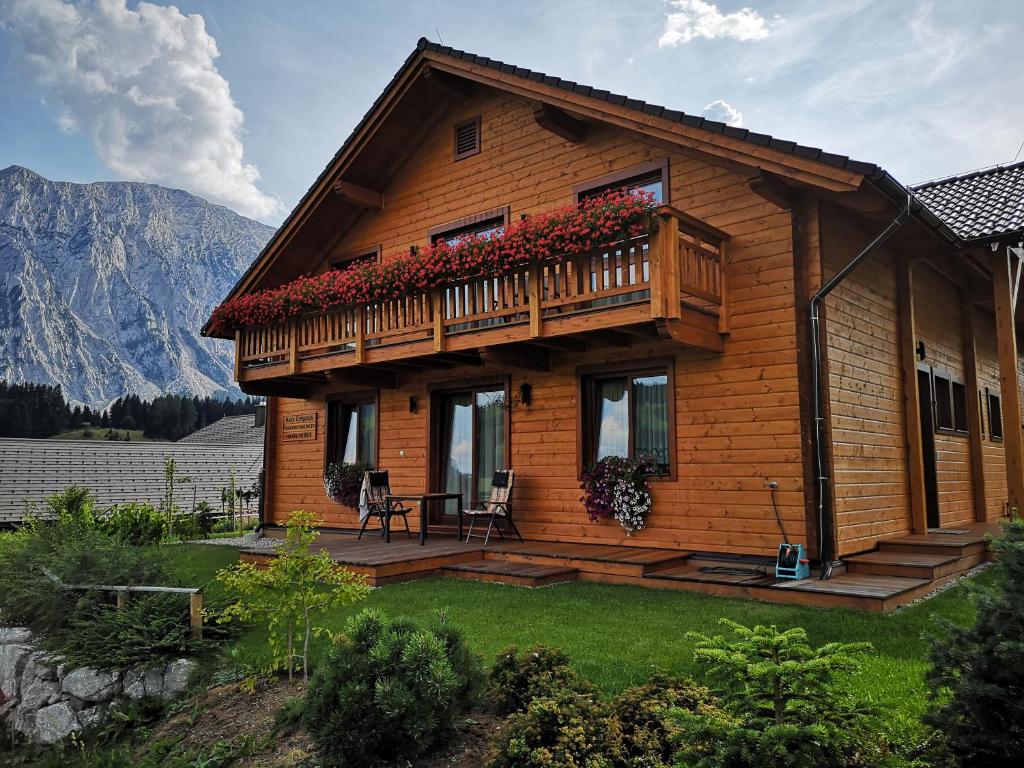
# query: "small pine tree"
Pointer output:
{"type": "Point", "coordinates": [977, 679]}
{"type": "Point", "coordinates": [783, 703]}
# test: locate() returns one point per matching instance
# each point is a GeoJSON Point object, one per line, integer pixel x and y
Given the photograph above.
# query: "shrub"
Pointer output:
{"type": "Point", "coordinates": [342, 482]}
{"type": "Point", "coordinates": [783, 703]}
{"type": "Point", "coordinates": [390, 691]}
{"type": "Point", "coordinates": [288, 594]}
{"type": "Point", "coordinates": [204, 519]}
{"type": "Point", "coordinates": [517, 678]}
{"type": "Point", "coordinates": [638, 733]}
{"type": "Point", "coordinates": [977, 682]}
{"type": "Point", "coordinates": [562, 730]}
{"type": "Point", "coordinates": [134, 524]}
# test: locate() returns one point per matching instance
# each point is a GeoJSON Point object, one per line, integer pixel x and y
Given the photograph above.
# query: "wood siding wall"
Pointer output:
{"type": "Point", "coordinates": [737, 414]}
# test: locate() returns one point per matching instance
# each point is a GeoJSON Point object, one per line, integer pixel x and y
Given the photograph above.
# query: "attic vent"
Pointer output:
{"type": "Point", "coordinates": [467, 138]}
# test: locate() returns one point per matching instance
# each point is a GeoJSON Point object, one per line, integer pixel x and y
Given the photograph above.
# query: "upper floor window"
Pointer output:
{"type": "Point", "coordinates": [365, 256]}
{"type": "Point", "coordinates": [467, 138]}
{"type": "Point", "coordinates": [486, 224]}
{"type": "Point", "coordinates": [648, 177]}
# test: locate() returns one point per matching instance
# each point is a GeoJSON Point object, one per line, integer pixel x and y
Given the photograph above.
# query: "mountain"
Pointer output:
{"type": "Point", "coordinates": [104, 287]}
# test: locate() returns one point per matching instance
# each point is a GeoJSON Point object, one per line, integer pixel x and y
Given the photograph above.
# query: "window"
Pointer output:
{"type": "Point", "coordinates": [960, 407]}
{"type": "Point", "coordinates": [995, 415]}
{"type": "Point", "coordinates": [627, 413]}
{"type": "Point", "coordinates": [486, 224]}
{"type": "Point", "coordinates": [352, 431]}
{"type": "Point", "coordinates": [470, 431]}
{"type": "Point", "coordinates": [366, 256]}
{"type": "Point", "coordinates": [467, 138]}
{"type": "Point", "coordinates": [950, 403]}
{"type": "Point", "coordinates": [649, 177]}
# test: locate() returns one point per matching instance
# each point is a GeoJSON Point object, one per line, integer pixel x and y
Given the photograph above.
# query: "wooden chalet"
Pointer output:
{"type": "Point", "coordinates": [904, 421]}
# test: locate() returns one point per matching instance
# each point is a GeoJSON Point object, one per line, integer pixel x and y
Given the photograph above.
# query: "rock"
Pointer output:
{"type": "Point", "coordinates": [9, 635]}
{"type": "Point", "coordinates": [7, 706]}
{"type": "Point", "coordinates": [41, 667]}
{"type": "Point", "coordinates": [90, 685]}
{"type": "Point", "coordinates": [153, 679]}
{"type": "Point", "coordinates": [36, 693]}
{"type": "Point", "coordinates": [13, 658]}
{"type": "Point", "coordinates": [55, 722]}
{"type": "Point", "coordinates": [92, 715]}
{"type": "Point", "coordinates": [134, 684]}
{"type": "Point", "coordinates": [23, 721]}
{"type": "Point", "coordinates": [176, 677]}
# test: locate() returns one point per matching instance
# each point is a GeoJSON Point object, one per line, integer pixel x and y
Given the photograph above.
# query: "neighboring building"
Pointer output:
{"type": "Point", "coordinates": [703, 325]}
{"type": "Point", "coordinates": [117, 472]}
{"type": "Point", "coordinates": [246, 429]}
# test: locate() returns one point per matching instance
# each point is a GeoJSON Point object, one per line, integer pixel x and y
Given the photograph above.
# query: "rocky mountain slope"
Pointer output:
{"type": "Point", "coordinates": [104, 287]}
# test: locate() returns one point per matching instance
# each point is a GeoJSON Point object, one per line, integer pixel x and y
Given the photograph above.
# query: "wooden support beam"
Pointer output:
{"type": "Point", "coordinates": [690, 335]}
{"type": "Point", "coordinates": [611, 338]}
{"type": "Point", "coordinates": [361, 196]}
{"type": "Point", "coordinates": [562, 343]}
{"type": "Point", "coordinates": [293, 346]}
{"type": "Point", "coordinates": [1009, 385]}
{"type": "Point", "coordinates": [275, 388]}
{"type": "Point", "coordinates": [668, 228]}
{"type": "Point", "coordinates": [526, 356]}
{"type": "Point", "coordinates": [974, 427]}
{"type": "Point", "coordinates": [360, 351]}
{"type": "Point", "coordinates": [911, 396]}
{"type": "Point", "coordinates": [454, 88]}
{"type": "Point", "coordinates": [536, 326]}
{"type": "Point", "coordinates": [773, 189]}
{"type": "Point", "coordinates": [724, 309]}
{"type": "Point", "coordinates": [238, 355]}
{"type": "Point", "coordinates": [560, 123]}
{"type": "Point", "coordinates": [459, 358]}
{"type": "Point", "coordinates": [437, 305]}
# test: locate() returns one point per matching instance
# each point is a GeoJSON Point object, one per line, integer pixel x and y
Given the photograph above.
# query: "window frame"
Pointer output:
{"type": "Point", "coordinates": [991, 397]}
{"type": "Point", "coordinates": [581, 189]}
{"type": "Point", "coordinates": [454, 228]}
{"type": "Point", "coordinates": [349, 258]}
{"type": "Point", "coordinates": [456, 155]}
{"type": "Point", "coordinates": [586, 375]}
{"type": "Point", "coordinates": [945, 382]}
{"type": "Point", "coordinates": [362, 397]}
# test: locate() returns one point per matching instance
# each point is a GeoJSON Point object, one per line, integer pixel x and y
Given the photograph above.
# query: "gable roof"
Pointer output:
{"type": "Point", "coordinates": [981, 204]}
{"type": "Point", "coordinates": [459, 63]}
{"type": "Point", "coordinates": [229, 430]}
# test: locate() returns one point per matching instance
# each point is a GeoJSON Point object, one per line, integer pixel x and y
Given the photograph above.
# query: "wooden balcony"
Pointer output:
{"type": "Point", "coordinates": [669, 282]}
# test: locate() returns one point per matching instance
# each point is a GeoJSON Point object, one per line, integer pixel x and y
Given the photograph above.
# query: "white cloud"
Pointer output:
{"type": "Point", "coordinates": [691, 19]}
{"type": "Point", "coordinates": [143, 85]}
{"type": "Point", "coordinates": [723, 112]}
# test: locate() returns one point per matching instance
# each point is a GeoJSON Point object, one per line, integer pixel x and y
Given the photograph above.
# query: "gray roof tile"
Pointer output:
{"type": "Point", "coordinates": [979, 204]}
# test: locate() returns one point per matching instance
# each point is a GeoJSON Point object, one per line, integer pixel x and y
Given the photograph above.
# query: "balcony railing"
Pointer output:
{"type": "Point", "coordinates": [674, 272]}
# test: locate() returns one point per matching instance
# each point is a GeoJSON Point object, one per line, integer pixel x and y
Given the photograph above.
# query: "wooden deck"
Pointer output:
{"type": "Point", "coordinates": [899, 571]}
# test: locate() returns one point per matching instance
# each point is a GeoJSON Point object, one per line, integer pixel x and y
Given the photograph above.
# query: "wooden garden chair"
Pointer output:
{"type": "Point", "coordinates": [497, 507]}
{"type": "Point", "coordinates": [380, 505]}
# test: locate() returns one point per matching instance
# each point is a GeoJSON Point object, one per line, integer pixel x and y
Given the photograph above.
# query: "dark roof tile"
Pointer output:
{"type": "Point", "coordinates": [979, 204]}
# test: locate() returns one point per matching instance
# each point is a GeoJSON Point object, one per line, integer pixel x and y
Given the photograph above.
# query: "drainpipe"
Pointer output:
{"type": "Point", "coordinates": [825, 527]}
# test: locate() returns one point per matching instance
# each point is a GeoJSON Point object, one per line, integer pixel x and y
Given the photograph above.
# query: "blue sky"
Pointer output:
{"type": "Point", "coordinates": [245, 102]}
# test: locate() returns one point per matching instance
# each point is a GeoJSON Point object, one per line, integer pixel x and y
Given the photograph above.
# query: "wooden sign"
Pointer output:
{"type": "Point", "coordinates": [300, 427]}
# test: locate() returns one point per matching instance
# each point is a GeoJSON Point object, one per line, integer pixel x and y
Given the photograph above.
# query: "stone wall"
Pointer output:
{"type": "Point", "coordinates": [44, 700]}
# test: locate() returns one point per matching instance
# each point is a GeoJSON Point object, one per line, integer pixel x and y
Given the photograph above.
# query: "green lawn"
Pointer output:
{"type": "Point", "coordinates": [100, 434]}
{"type": "Point", "coordinates": [618, 635]}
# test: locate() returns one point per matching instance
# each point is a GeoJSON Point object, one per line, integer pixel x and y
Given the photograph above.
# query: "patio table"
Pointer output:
{"type": "Point", "coordinates": [423, 499]}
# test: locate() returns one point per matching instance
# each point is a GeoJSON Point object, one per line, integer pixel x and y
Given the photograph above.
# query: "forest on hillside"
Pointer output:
{"type": "Point", "coordinates": [40, 411]}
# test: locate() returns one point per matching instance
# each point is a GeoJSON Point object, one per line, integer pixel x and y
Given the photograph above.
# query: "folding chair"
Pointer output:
{"type": "Point", "coordinates": [377, 493]}
{"type": "Point", "coordinates": [497, 507]}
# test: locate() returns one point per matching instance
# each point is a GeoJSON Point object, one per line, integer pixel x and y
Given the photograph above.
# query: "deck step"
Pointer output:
{"type": "Point", "coordinates": [919, 565]}
{"type": "Point", "coordinates": [504, 572]}
{"type": "Point", "coordinates": [606, 559]}
{"type": "Point", "coordinates": [952, 546]}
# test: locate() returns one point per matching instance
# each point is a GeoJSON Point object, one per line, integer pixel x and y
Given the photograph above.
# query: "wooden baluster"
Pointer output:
{"type": "Point", "coordinates": [437, 297]}
{"type": "Point", "coordinates": [655, 255]}
{"type": "Point", "coordinates": [723, 290]}
{"type": "Point", "coordinates": [239, 351]}
{"type": "Point", "coordinates": [536, 270]}
{"type": "Point", "coordinates": [293, 346]}
{"type": "Point", "coordinates": [360, 333]}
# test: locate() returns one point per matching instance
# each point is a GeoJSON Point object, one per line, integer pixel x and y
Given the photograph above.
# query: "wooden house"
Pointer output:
{"type": "Point", "coordinates": [903, 418]}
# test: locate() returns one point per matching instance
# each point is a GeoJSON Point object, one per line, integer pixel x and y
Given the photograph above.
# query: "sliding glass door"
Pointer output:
{"type": "Point", "coordinates": [471, 442]}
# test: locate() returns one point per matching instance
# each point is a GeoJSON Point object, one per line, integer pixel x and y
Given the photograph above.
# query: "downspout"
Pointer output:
{"type": "Point", "coordinates": [825, 527]}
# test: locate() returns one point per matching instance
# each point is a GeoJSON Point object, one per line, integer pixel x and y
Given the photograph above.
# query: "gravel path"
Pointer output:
{"type": "Point", "coordinates": [239, 543]}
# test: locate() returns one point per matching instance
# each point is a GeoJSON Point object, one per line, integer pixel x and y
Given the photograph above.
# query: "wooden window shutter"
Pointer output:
{"type": "Point", "coordinates": [467, 138]}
